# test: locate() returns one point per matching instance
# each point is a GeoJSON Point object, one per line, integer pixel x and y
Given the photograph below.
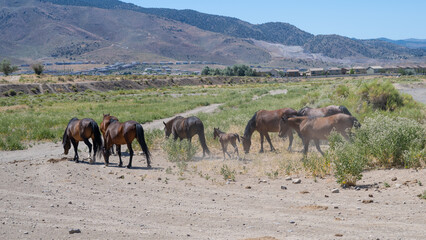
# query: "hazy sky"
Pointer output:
{"type": "Point", "coordinates": [394, 19]}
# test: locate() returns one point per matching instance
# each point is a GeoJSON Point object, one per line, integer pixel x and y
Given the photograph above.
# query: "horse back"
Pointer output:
{"type": "Point", "coordinates": [269, 120]}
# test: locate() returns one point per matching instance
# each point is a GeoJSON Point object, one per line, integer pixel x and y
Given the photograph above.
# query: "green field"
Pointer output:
{"type": "Point", "coordinates": [26, 119]}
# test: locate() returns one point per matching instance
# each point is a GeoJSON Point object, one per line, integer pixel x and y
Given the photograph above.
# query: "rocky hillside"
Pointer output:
{"type": "Point", "coordinates": [111, 30]}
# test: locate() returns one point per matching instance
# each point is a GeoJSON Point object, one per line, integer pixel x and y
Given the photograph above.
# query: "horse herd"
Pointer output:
{"type": "Point", "coordinates": [309, 123]}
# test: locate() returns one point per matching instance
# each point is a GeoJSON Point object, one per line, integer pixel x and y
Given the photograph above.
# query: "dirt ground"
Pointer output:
{"type": "Point", "coordinates": [44, 195]}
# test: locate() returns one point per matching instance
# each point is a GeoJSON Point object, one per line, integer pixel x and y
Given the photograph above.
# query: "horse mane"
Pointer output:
{"type": "Point", "coordinates": [111, 120]}
{"type": "Point", "coordinates": [302, 111]}
{"type": "Point", "coordinates": [251, 125]}
{"type": "Point", "coordinates": [65, 136]}
{"type": "Point", "coordinates": [345, 110]}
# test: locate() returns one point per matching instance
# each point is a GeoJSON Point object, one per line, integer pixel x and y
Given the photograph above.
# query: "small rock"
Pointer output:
{"type": "Point", "coordinates": [283, 187]}
{"type": "Point", "coordinates": [370, 195]}
{"type": "Point", "coordinates": [338, 235]}
{"type": "Point", "coordinates": [357, 188]}
{"type": "Point", "coordinates": [358, 208]}
{"type": "Point", "coordinates": [326, 196]}
{"type": "Point", "coordinates": [297, 181]}
{"type": "Point", "coordinates": [292, 222]}
{"type": "Point", "coordinates": [367, 201]}
{"type": "Point", "coordinates": [397, 185]}
{"type": "Point", "coordinates": [69, 202]}
{"type": "Point", "coordinates": [248, 187]}
{"type": "Point", "coordinates": [72, 231]}
{"type": "Point", "coordinates": [25, 232]}
{"type": "Point", "coordinates": [394, 179]}
{"type": "Point", "coordinates": [288, 178]}
{"type": "Point", "coordinates": [335, 190]}
{"type": "Point", "coordinates": [159, 179]}
{"type": "Point", "coordinates": [336, 207]}
{"type": "Point", "coordinates": [263, 181]}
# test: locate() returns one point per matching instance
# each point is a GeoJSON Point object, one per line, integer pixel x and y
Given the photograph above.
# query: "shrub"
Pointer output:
{"type": "Point", "coordinates": [7, 68]}
{"type": "Point", "coordinates": [38, 68]}
{"type": "Point", "coordinates": [342, 91]}
{"type": "Point", "coordinates": [381, 95]}
{"type": "Point", "coordinates": [347, 160]}
{"type": "Point", "coordinates": [227, 173]}
{"type": "Point", "coordinates": [178, 151]}
{"type": "Point", "coordinates": [392, 141]}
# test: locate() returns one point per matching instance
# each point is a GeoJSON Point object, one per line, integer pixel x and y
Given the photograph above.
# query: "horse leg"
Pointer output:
{"type": "Point", "coordinates": [317, 144]}
{"type": "Point", "coordinates": [269, 141]}
{"type": "Point", "coordinates": [236, 149]}
{"type": "Point", "coordinates": [345, 135]}
{"type": "Point", "coordinates": [118, 148]}
{"type": "Point", "coordinates": [75, 145]}
{"type": "Point", "coordinates": [89, 145]}
{"type": "Point", "coordinates": [261, 143]}
{"type": "Point", "coordinates": [290, 139]}
{"type": "Point", "coordinates": [223, 150]}
{"type": "Point", "coordinates": [305, 146]}
{"type": "Point", "coordinates": [226, 150]}
{"type": "Point", "coordinates": [129, 146]}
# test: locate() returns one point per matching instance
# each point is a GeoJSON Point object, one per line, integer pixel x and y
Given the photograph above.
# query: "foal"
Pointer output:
{"type": "Point", "coordinates": [224, 139]}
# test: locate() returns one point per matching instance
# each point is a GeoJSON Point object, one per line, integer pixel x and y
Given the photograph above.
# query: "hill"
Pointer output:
{"type": "Point", "coordinates": [111, 30]}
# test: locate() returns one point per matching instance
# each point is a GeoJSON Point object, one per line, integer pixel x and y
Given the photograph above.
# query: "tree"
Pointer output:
{"type": "Point", "coordinates": [7, 68]}
{"type": "Point", "coordinates": [38, 68]}
{"type": "Point", "coordinates": [351, 71]}
{"type": "Point", "coordinates": [205, 71]}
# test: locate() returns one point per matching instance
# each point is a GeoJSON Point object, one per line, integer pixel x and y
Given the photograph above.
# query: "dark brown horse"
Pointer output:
{"type": "Point", "coordinates": [81, 130]}
{"type": "Point", "coordinates": [224, 139]}
{"type": "Point", "coordinates": [265, 121]}
{"type": "Point", "coordinates": [186, 128]}
{"type": "Point", "coordinates": [124, 133]}
{"type": "Point", "coordinates": [318, 128]}
{"type": "Point", "coordinates": [323, 112]}
{"type": "Point", "coordinates": [105, 124]}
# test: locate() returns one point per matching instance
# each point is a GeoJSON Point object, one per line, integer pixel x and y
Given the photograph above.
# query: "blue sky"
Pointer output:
{"type": "Point", "coordinates": [363, 19]}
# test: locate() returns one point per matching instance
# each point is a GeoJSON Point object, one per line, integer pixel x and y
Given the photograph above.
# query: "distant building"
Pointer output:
{"type": "Point", "coordinates": [334, 71]}
{"type": "Point", "coordinates": [375, 70]}
{"type": "Point", "coordinates": [315, 72]}
{"type": "Point", "coordinates": [292, 73]}
{"type": "Point", "coordinates": [360, 70]}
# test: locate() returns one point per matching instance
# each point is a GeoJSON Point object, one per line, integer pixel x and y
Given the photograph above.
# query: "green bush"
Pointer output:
{"type": "Point", "coordinates": [342, 91]}
{"type": "Point", "coordinates": [348, 161]}
{"type": "Point", "coordinates": [392, 141]}
{"type": "Point", "coordinates": [179, 151]}
{"type": "Point", "coordinates": [381, 95]}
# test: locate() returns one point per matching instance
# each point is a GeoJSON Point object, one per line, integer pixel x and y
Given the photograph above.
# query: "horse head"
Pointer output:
{"type": "Point", "coordinates": [246, 143]}
{"type": "Point", "coordinates": [215, 133]}
{"type": "Point", "coordinates": [167, 129]}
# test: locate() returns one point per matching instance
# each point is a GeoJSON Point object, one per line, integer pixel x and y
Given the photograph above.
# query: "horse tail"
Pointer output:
{"type": "Point", "coordinates": [238, 137]}
{"type": "Point", "coordinates": [356, 123]}
{"type": "Point", "coordinates": [345, 110]}
{"type": "Point", "coordinates": [203, 139]}
{"type": "Point", "coordinates": [141, 139]}
{"type": "Point", "coordinates": [97, 142]}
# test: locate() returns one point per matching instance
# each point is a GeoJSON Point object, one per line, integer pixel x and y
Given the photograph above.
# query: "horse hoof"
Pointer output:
{"type": "Point", "coordinates": [129, 166]}
{"type": "Point", "coordinates": [149, 166]}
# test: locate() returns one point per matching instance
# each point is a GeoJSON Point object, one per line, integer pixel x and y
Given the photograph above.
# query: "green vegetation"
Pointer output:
{"type": "Point", "coordinates": [392, 133]}
{"type": "Point", "coordinates": [179, 151]}
{"type": "Point", "coordinates": [7, 68]}
{"type": "Point", "coordinates": [236, 70]}
{"type": "Point", "coordinates": [227, 173]}
{"type": "Point", "coordinates": [38, 68]}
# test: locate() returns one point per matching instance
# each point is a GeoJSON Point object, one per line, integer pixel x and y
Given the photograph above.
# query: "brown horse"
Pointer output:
{"type": "Point", "coordinates": [124, 133]}
{"type": "Point", "coordinates": [318, 128]}
{"type": "Point", "coordinates": [186, 128]}
{"type": "Point", "coordinates": [81, 130]}
{"type": "Point", "coordinates": [224, 139]}
{"type": "Point", "coordinates": [265, 121]}
{"type": "Point", "coordinates": [323, 112]}
{"type": "Point", "coordinates": [105, 124]}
